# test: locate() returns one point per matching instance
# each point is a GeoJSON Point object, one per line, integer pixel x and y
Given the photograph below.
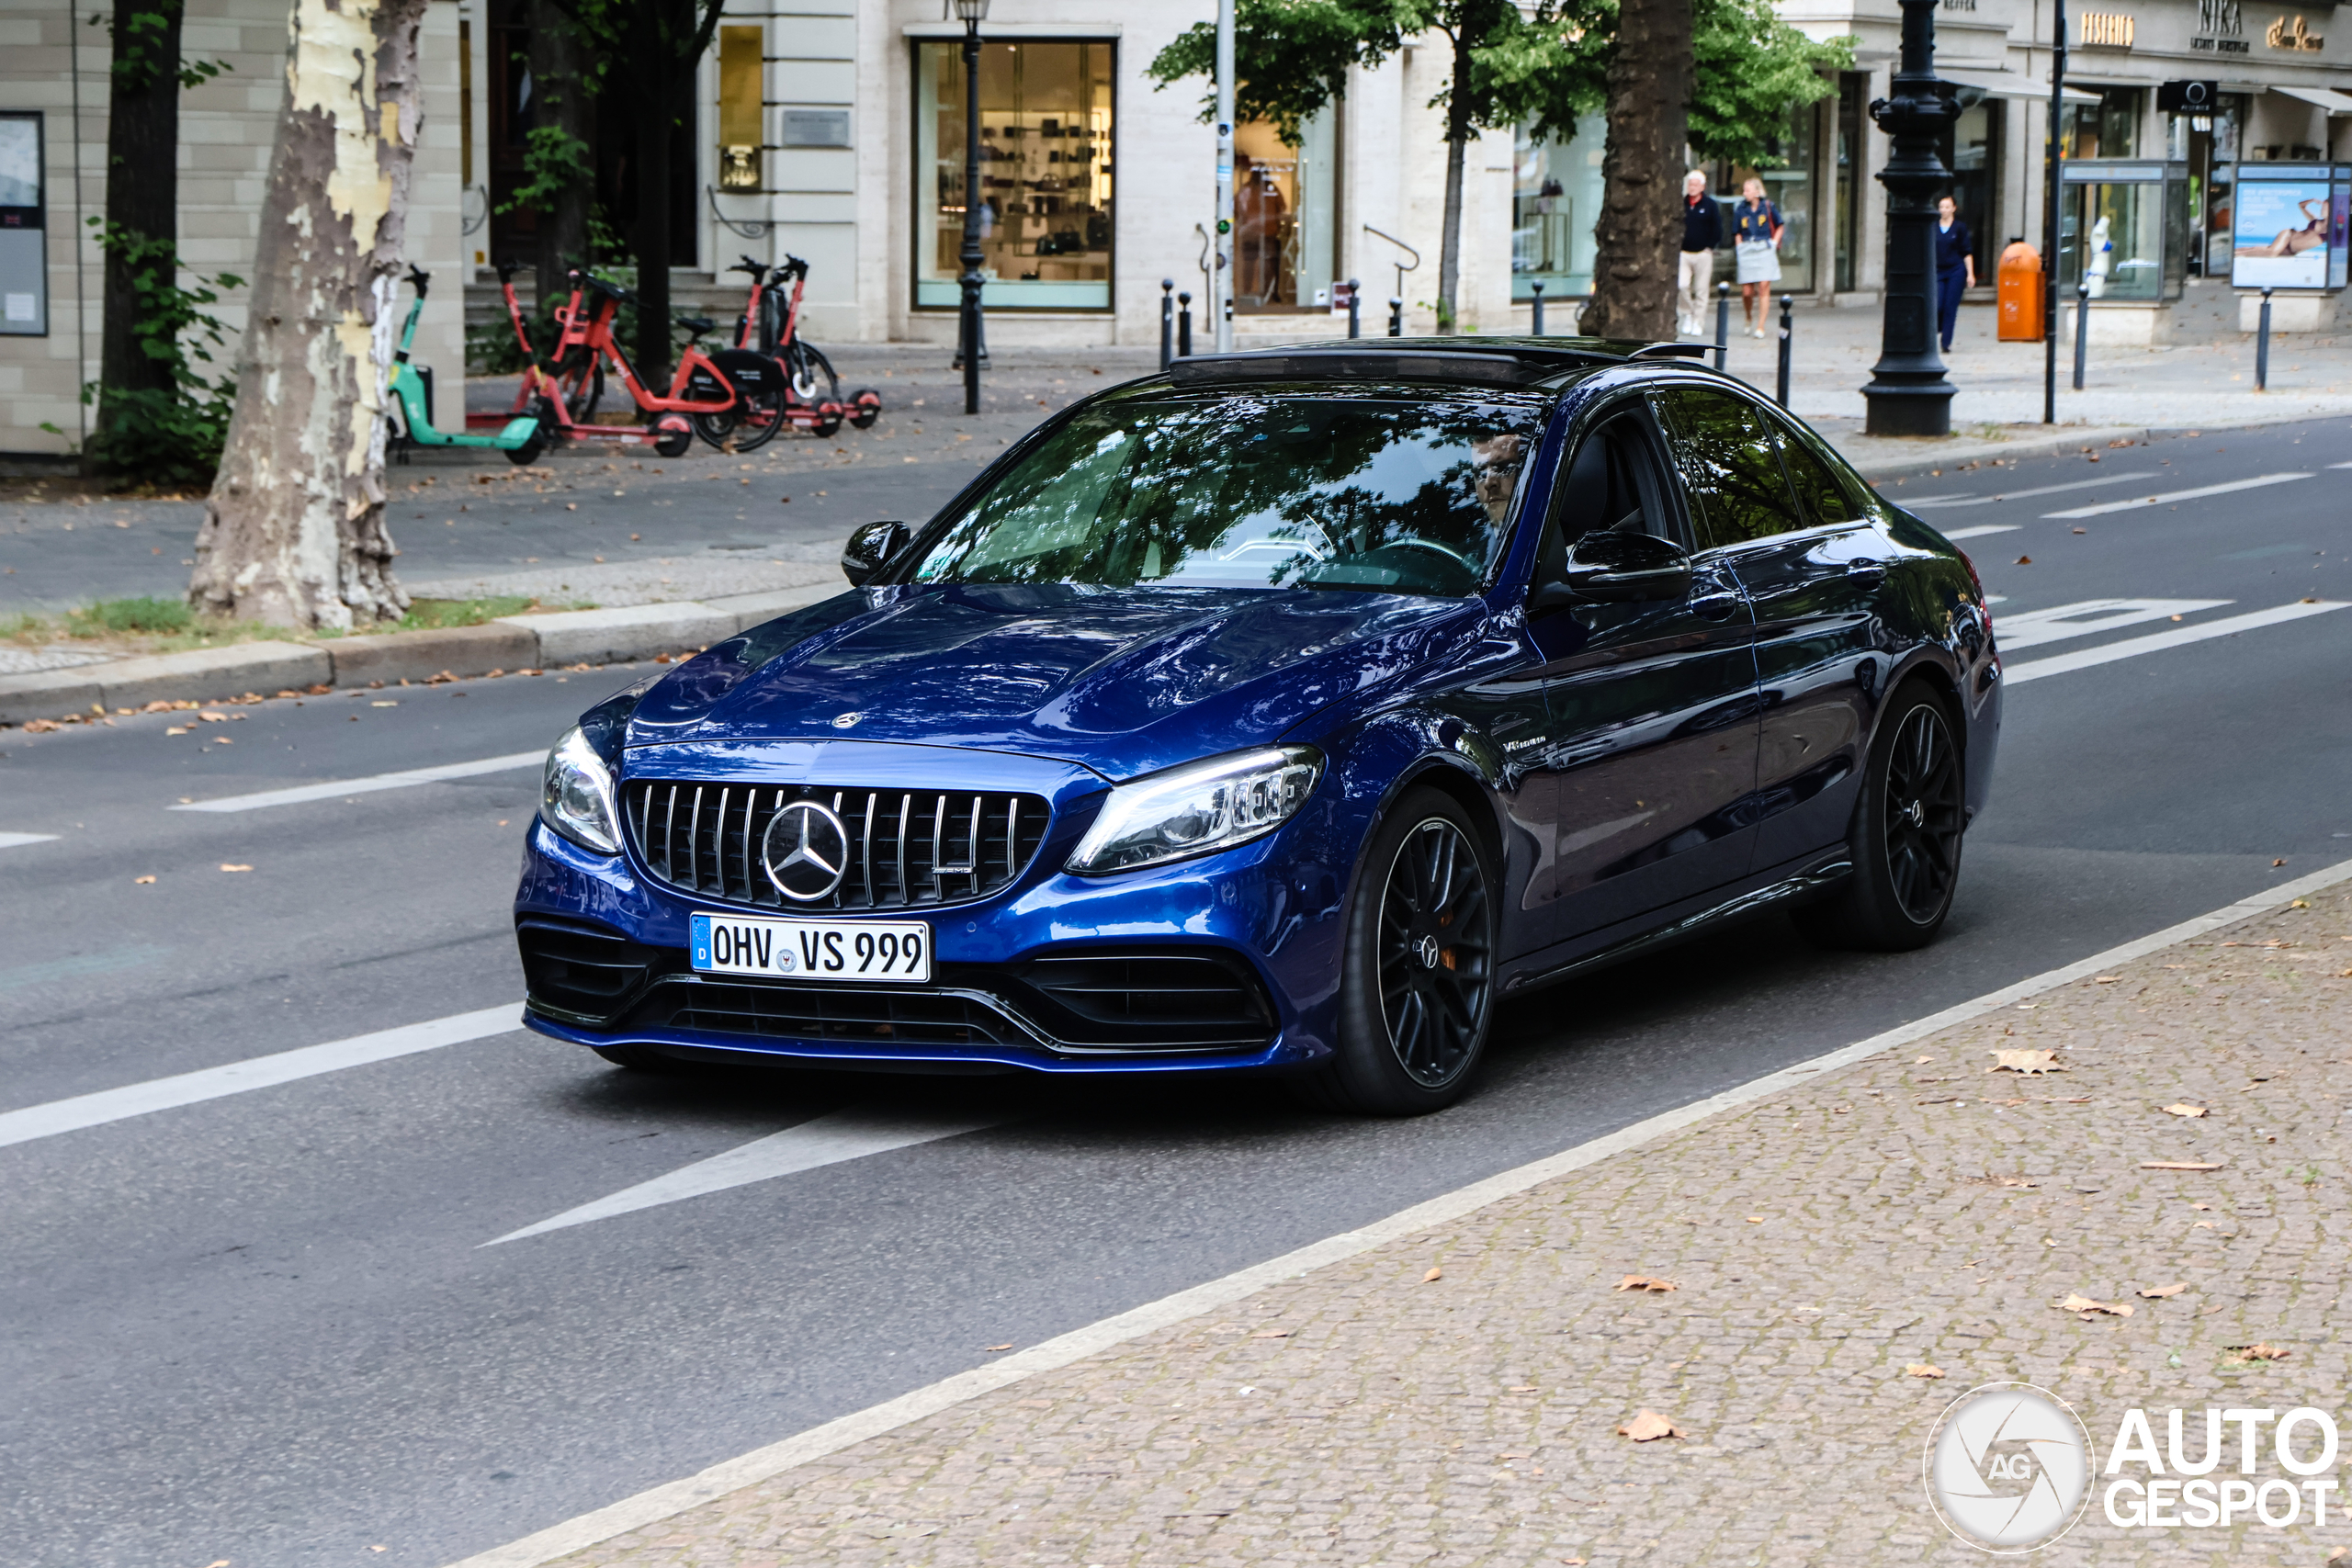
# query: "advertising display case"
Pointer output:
{"type": "Point", "coordinates": [2288, 226]}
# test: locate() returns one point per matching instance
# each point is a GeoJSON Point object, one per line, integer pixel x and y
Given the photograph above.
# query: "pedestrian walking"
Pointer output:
{"type": "Point", "coordinates": [1703, 230]}
{"type": "Point", "coordinates": [1955, 265]}
{"type": "Point", "coordinates": [1755, 230]}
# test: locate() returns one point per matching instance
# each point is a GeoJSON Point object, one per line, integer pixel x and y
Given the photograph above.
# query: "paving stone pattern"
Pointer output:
{"type": "Point", "coordinates": [1914, 1209]}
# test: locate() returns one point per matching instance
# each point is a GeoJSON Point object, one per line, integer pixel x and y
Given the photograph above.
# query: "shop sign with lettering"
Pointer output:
{"type": "Point", "coordinates": [2220, 28]}
{"type": "Point", "coordinates": [2294, 35]}
{"type": "Point", "coordinates": [2105, 29]}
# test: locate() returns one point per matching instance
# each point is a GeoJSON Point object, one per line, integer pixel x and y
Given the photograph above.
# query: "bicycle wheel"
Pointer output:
{"type": "Point", "coordinates": [815, 384]}
{"type": "Point", "coordinates": [762, 415]}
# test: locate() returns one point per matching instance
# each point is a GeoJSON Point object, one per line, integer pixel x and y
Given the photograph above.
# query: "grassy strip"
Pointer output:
{"type": "Point", "coordinates": [168, 626]}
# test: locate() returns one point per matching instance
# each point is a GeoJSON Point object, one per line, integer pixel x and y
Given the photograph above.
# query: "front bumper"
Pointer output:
{"type": "Point", "coordinates": [1228, 963]}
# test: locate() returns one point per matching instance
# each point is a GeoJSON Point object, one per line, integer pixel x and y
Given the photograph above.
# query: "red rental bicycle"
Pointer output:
{"type": "Point", "coordinates": [716, 393]}
{"type": "Point", "coordinates": [770, 327]}
{"type": "Point", "coordinates": [542, 397]}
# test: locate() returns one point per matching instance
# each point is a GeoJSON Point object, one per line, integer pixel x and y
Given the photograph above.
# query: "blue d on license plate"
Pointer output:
{"type": "Point", "coordinates": [810, 950]}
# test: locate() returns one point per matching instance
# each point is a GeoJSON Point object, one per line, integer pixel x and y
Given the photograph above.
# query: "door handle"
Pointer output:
{"type": "Point", "coordinates": [1715, 606]}
{"type": "Point", "coordinates": [1866, 570]}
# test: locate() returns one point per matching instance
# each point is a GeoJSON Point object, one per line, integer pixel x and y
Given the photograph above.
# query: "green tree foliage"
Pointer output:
{"type": "Point", "coordinates": [171, 434]}
{"type": "Point", "coordinates": [1755, 71]}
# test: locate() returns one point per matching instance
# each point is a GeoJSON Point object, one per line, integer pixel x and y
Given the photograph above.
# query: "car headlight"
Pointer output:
{"type": "Point", "coordinates": [1198, 808]}
{"type": "Point", "coordinates": [576, 794]}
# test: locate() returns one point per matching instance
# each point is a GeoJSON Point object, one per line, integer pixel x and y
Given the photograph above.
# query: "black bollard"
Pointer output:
{"type": "Point", "coordinates": [1184, 326]}
{"type": "Point", "coordinates": [2261, 348]}
{"type": "Point", "coordinates": [1723, 322]}
{"type": "Point", "coordinates": [1396, 317]}
{"type": "Point", "coordinates": [1167, 321]}
{"type": "Point", "coordinates": [1535, 321]}
{"type": "Point", "coordinates": [1788, 330]}
{"type": "Point", "coordinates": [2082, 327]}
{"type": "Point", "coordinates": [1355, 308]}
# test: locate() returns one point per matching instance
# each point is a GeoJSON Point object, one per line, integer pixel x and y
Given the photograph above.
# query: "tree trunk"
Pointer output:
{"type": "Point", "coordinates": [1640, 230]}
{"type": "Point", "coordinates": [293, 532]}
{"type": "Point", "coordinates": [563, 102]}
{"type": "Point", "coordinates": [651, 237]}
{"type": "Point", "coordinates": [143, 190]}
{"type": "Point", "coordinates": [1449, 254]}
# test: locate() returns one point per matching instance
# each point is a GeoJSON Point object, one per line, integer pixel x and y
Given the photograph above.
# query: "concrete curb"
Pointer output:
{"type": "Point", "coordinates": [516, 642]}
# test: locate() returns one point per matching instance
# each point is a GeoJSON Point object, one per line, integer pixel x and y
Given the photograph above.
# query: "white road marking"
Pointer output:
{"type": "Point", "coordinates": [828, 1140]}
{"type": "Point", "coordinates": [668, 1501]}
{"type": "Point", "coordinates": [2340, 465]}
{"type": "Point", "coordinates": [2139, 502]}
{"type": "Point", "coordinates": [1979, 532]}
{"type": "Point", "coordinates": [2037, 489]}
{"type": "Point", "coordinates": [2030, 628]}
{"type": "Point", "coordinates": [2131, 648]}
{"type": "Point", "coordinates": [300, 793]}
{"type": "Point", "coordinates": [10, 840]}
{"type": "Point", "coordinates": [256, 1072]}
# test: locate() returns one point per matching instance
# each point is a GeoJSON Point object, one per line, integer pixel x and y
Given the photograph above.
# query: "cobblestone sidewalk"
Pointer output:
{"type": "Point", "coordinates": [1456, 1397]}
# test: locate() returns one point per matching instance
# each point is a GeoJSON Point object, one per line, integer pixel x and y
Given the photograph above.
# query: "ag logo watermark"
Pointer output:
{"type": "Point", "coordinates": [2009, 1467]}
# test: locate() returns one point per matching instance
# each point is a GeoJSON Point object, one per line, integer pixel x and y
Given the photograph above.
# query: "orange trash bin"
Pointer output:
{"type": "Point", "coordinates": [2018, 290]}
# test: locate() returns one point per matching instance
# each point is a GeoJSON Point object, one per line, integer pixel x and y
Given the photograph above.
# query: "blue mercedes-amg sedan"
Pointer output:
{"type": "Point", "coordinates": [1281, 714]}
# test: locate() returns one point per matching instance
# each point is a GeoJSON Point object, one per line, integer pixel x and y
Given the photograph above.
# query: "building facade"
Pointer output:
{"type": "Point", "coordinates": [833, 130]}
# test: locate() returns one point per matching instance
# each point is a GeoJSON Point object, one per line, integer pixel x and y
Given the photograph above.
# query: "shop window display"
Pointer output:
{"type": "Point", "coordinates": [1285, 215]}
{"type": "Point", "coordinates": [1046, 173]}
{"type": "Point", "coordinates": [1555, 198]}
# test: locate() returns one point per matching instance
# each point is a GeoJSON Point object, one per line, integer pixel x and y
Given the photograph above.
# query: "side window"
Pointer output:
{"type": "Point", "coordinates": [1823, 498]}
{"type": "Point", "coordinates": [1611, 484]}
{"type": "Point", "coordinates": [1731, 467]}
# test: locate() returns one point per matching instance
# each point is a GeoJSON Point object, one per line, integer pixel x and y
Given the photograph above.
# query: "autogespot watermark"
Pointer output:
{"type": "Point", "coordinates": [2009, 1467]}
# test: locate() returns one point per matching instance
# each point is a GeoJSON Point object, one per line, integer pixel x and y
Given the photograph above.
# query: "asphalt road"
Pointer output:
{"type": "Point", "coordinates": [267, 1329]}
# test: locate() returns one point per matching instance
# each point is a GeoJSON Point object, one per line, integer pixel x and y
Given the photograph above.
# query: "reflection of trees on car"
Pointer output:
{"type": "Point", "coordinates": [1406, 497]}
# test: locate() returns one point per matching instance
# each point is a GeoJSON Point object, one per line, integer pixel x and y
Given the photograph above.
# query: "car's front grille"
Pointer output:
{"type": "Point", "coordinates": [853, 1013]}
{"type": "Point", "coordinates": [905, 847]}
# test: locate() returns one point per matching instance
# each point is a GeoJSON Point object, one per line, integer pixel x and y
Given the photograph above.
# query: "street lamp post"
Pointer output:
{"type": "Point", "coordinates": [971, 13]}
{"type": "Point", "coordinates": [1908, 393]}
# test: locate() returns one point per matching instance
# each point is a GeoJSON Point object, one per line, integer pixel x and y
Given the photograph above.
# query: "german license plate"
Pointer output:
{"type": "Point", "coordinates": [810, 950]}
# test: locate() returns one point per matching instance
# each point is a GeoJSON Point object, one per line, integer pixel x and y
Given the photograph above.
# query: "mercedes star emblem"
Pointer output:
{"type": "Point", "coordinates": [805, 852]}
{"type": "Point", "coordinates": [847, 720]}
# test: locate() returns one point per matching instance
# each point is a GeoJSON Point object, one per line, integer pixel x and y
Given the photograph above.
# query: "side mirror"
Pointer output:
{"type": "Point", "coordinates": [869, 547]}
{"type": "Point", "coordinates": [1613, 568]}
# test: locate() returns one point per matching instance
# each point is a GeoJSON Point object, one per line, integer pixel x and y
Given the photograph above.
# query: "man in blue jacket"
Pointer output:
{"type": "Point", "coordinates": [1703, 230]}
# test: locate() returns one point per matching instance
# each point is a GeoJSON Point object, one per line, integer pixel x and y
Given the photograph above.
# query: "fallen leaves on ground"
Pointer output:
{"type": "Point", "coordinates": [2086, 1306]}
{"type": "Point", "coordinates": [1754, 1219]}
{"type": "Point", "coordinates": [2026, 1062]}
{"type": "Point", "coordinates": [1433, 1277]}
{"type": "Point", "coordinates": [2178, 1165]}
{"type": "Point", "coordinates": [1647, 1427]}
{"type": "Point", "coordinates": [227, 867]}
{"type": "Point", "coordinates": [1272, 1334]}
{"type": "Point", "coordinates": [992, 1349]}
{"type": "Point", "coordinates": [2158, 1293]}
{"type": "Point", "coordinates": [1646, 1282]}
{"type": "Point", "coordinates": [2258, 1353]}
{"type": "Point", "coordinates": [1922, 1369]}
{"type": "Point", "coordinates": [141, 881]}
{"type": "Point", "coordinates": [2185, 1109]}
{"type": "Point", "coordinates": [177, 729]}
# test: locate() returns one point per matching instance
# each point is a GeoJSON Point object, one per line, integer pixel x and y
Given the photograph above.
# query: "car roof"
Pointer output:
{"type": "Point", "coordinates": [1485, 362]}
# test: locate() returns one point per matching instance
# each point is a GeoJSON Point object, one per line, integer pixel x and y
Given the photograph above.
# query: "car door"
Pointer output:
{"type": "Point", "coordinates": [1812, 565]}
{"type": "Point", "coordinates": [1652, 704]}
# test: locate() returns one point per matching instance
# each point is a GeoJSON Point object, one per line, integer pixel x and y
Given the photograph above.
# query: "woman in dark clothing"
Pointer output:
{"type": "Point", "coordinates": [1955, 265]}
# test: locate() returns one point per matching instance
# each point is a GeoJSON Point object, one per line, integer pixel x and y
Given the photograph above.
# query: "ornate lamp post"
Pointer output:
{"type": "Point", "coordinates": [971, 13]}
{"type": "Point", "coordinates": [1907, 392]}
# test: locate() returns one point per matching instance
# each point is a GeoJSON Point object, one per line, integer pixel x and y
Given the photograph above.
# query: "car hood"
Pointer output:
{"type": "Point", "coordinates": [1120, 681]}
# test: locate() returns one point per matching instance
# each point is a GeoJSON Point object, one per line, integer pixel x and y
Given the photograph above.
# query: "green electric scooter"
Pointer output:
{"type": "Point", "coordinates": [412, 419]}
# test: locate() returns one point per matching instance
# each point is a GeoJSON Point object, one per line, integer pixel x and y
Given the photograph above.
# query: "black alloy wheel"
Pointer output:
{"type": "Point", "coordinates": [1416, 996]}
{"type": "Point", "coordinates": [1922, 814]}
{"type": "Point", "coordinates": [1905, 837]}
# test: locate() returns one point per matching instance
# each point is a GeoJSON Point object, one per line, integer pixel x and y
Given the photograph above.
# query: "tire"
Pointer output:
{"type": "Point", "coordinates": [1905, 837]}
{"type": "Point", "coordinates": [1417, 988]}
{"type": "Point", "coordinates": [529, 451]}
{"type": "Point", "coordinates": [866, 405]}
{"type": "Point", "coordinates": [753, 423]}
{"type": "Point", "coordinates": [815, 385]}
{"type": "Point", "coordinates": [673, 440]}
{"type": "Point", "coordinates": [582, 402]}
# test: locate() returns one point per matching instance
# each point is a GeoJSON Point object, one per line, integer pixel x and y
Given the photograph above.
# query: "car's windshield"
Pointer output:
{"type": "Point", "coordinates": [1259, 492]}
